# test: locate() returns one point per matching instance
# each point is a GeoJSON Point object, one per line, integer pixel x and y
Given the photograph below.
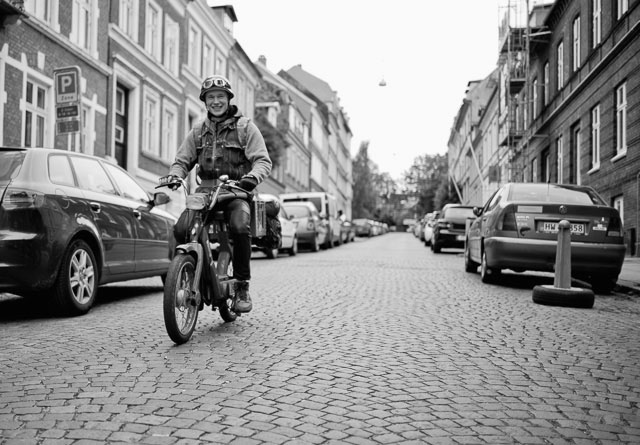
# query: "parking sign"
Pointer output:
{"type": "Point", "coordinates": [68, 103]}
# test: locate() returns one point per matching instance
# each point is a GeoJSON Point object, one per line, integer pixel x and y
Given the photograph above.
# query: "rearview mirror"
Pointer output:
{"type": "Point", "coordinates": [160, 198]}
{"type": "Point", "coordinates": [477, 211]}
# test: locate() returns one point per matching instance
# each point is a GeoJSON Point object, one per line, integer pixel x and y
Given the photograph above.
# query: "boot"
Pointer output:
{"type": "Point", "coordinates": [243, 300]}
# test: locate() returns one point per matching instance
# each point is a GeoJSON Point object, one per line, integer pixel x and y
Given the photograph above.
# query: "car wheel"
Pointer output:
{"type": "Point", "coordinates": [603, 284]}
{"type": "Point", "coordinates": [435, 247]}
{"type": "Point", "coordinates": [315, 245]}
{"type": "Point", "coordinates": [271, 253]}
{"type": "Point", "coordinates": [328, 244]}
{"type": "Point", "coordinates": [469, 265]}
{"type": "Point", "coordinates": [294, 247]}
{"type": "Point", "coordinates": [557, 296]}
{"type": "Point", "coordinates": [77, 283]}
{"type": "Point", "coordinates": [487, 274]}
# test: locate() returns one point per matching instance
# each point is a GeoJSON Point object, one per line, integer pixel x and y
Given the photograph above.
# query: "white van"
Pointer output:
{"type": "Point", "coordinates": [327, 207]}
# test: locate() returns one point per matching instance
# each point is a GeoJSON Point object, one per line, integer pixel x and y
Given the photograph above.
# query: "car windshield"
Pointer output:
{"type": "Point", "coordinates": [553, 193]}
{"type": "Point", "coordinates": [298, 211]}
{"type": "Point", "coordinates": [10, 163]}
{"type": "Point", "coordinates": [459, 212]}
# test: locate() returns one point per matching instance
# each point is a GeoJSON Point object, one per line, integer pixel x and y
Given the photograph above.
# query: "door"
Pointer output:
{"type": "Point", "coordinates": [151, 226]}
{"type": "Point", "coordinates": [111, 213]}
{"type": "Point", "coordinates": [121, 107]}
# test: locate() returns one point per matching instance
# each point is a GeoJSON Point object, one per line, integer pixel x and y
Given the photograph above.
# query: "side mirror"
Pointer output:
{"type": "Point", "coordinates": [477, 211]}
{"type": "Point", "coordinates": [160, 198]}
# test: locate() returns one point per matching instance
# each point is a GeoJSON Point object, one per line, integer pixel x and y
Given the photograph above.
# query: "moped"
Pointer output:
{"type": "Point", "coordinates": [201, 271]}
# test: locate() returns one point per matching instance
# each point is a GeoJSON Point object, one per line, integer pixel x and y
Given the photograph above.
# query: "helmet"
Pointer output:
{"type": "Point", "coordinates": [215, 83]}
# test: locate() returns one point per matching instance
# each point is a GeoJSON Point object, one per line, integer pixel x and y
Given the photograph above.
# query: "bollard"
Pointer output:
{"type": "Point", "coordinates": [562, 277]}
{"type": "Point", "coordinates": [561, 293]}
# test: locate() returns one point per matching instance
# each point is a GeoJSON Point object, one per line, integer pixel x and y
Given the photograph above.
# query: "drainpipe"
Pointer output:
{"type": "Point", "coordinates": [638, 214]}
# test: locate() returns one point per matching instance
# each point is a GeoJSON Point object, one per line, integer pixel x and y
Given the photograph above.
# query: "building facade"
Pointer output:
{"type": "Point", "coordinates": [140, 64]}
{"type": "Point", "coordinates": [568, 108]}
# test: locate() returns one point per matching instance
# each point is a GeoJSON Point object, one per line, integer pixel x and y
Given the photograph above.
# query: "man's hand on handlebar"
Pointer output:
{"type": "Point", "coordinates": [248, 183]}
{"type": "Point", "coordinates": [171, 181]}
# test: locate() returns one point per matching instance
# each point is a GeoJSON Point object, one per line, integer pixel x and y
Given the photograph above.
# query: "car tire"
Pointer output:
{"type": "Point", "coordinates": [76, 286]}
{"type": "Point", "coordinates": [328, 244]}
{"type": "Point", "coordinates": [487, 274]}
{"type": "Point", "coordinates": [603, 284]}
{"type": "Point", "coordinates": [557, 296]}
{"type": "Point", "coordinates": [271, 253]}
{"type": "Point", "coordinates": [293, 250]}
{"type": "Point", "coordinates": [435, 247]}
{"type": "Point", "coordinates": [315, 245]}
{"type": "Point", "coordinates": [470, 266]}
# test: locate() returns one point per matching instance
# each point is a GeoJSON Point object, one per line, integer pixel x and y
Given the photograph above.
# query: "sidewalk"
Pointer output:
{"type": "Point", "coordinates": [629, 277]}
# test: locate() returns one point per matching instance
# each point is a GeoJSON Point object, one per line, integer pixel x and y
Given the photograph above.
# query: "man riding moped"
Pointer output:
{"type": "Point", "coordinates": [225, 143]}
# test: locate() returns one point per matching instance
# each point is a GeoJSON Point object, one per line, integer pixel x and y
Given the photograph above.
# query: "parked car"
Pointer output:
{"type": "Point", "coordinates": [348, 232]}
{"type": "Point", "coordinates": [70, 222]}
{"type": "Point", "coordinates": [312, 231]}
{"type": "Point", "coordinates": [363, 227]}
{"type": "Point", "coordinates": [427, 231]}
{"type": "Point", "coordinates": [449, 229]}
{"type": "Point", "coordinates": [327, 208]}
{"type": "Point", "coordinates": [517, 229]}
{"type": "Point", "coordinates": [289, 241]}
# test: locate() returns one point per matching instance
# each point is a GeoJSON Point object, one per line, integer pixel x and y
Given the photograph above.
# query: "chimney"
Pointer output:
{"type": "Point", "coordinates": [262, 60]}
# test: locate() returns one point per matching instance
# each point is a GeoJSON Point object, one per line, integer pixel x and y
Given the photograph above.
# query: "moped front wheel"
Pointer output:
{"type": "Point", "coordinates": [179, 303]}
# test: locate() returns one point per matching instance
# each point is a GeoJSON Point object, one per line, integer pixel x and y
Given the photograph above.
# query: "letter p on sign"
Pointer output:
{"type": "Point", "coordinates": [66, 80]}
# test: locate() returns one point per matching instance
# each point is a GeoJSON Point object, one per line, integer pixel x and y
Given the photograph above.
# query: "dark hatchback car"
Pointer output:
{"type": "Point", "coordinates": [70, 222]}
{"type": "Point", "coordinates": [517, 229]}
{"type": "Point", "coordinates": [449, 229]}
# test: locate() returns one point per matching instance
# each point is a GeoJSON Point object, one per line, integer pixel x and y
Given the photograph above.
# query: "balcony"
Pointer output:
{"type": "Point", "coordinates": [512, 40]}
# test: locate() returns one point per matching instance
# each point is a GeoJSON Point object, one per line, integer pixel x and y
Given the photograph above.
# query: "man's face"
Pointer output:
{"type": "Point", "coordinates": [217, 102]}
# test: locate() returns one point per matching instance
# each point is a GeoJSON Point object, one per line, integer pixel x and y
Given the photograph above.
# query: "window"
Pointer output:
{"type": "Point", "coordinates": [171, 44]}
{"type": "Point", "coordinates": [128, 187]}
{"type": "Point", "coordinates": [546, 85]}
{"type": "Point", "coordinates": [595, 137]}
{"type": "Point", "coordinates": [596, 32]}
{"type": "Point", "coordinates": [560, 70]}
{"type": "Point", "coordinates": [60, 170]}
{"type": "Point", "coordinates": [150, 123]}
{"type": "Point", "coordinates": [576, 43]}
{"type": "Point", "coordinates": [622, 6]}
{"type": "Point", "coordinates": [128, 18]}
{"type": "Point", "coordinates": [559, 154]}
{"type": "Point", "coordinates": [534, 99]}
{"type": "Point", "coordinates": [84, 25]}
{"type": "Point", "coordinates": [621, 119]}
{"type": "Point", "coordinates": [35, 114]}
{"type": "Point", "coordinates": [44, 10]}
{"type": "Point", "coordinates": [575, 176]}
{"type": "Point", "coordinates": [153, 33]}
{"type": "Point", "coordinates": [193, 54]}
{"type": "Point", "coordinates": [534, 170]}
{"type": "Point", "coordinates": [91, 175]}
{"type": "Point", "coordinates": [546, 166]}
{"type": "Point", "coordinates": [618, 204]}
{"type": "Point", "coordinates": [208, 57]}
{"type": "Point", "coordinates": [169, 131]}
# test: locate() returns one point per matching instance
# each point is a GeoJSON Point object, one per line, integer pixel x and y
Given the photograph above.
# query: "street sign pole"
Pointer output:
{"type": "Point", "coordinates": [68, 101]}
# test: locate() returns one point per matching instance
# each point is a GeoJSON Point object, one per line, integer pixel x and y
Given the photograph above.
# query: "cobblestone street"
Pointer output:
{"type": "Point", "coordinates": [374, 342]}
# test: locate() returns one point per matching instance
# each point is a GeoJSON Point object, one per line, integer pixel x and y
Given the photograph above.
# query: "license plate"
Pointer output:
{"type": "Point", "coordinates": [552, 227]}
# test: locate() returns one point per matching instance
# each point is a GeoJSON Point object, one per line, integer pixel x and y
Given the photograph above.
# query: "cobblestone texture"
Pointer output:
{"type": "Point", "coordinates": [376, 342]}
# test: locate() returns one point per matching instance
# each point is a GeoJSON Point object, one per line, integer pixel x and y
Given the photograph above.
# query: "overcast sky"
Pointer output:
{"type": "Point", "coordinates": [426, 51]}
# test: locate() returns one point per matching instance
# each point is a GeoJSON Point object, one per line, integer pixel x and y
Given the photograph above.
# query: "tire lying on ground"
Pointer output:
{"type": "Point", "coordinates": [566, 297]}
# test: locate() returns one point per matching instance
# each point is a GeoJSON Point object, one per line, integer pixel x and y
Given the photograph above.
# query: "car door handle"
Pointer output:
{"type": "Point", "coordinates": [137, 214]}
{"type": "Point", "coordinates": [95, 207]}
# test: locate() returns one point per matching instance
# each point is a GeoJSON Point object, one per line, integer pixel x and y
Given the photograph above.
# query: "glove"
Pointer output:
{"type": "Point", "coordinates": [169, 179]}
{"type": "Point", "coordinates": [248, 183]}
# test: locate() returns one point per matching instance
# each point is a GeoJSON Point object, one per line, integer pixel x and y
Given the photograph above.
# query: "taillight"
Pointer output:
{"type": "Point", "coordinates": [508, 221]}
{"type": "Point", "coordinates": [615, 227]}
{"type": "Point", "coordinates": [15, 199]}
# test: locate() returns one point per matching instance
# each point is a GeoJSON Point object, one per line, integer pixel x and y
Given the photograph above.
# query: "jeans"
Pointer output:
{"type": "Point", "coordinates": [238, 213]}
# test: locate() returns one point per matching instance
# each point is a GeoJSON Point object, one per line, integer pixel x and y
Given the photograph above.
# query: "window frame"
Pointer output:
{"type": "Point", "coordinates": [35, 116]}
{"type": "Point", "coordinates": [153, 30]}
{"type": "Point", "coordinates": [560, 65]}
{"type": "Point", "coordinates": [575, 30]}
{"type": "Point", "coordinates": [128, 13]}
{"type": "Point", "coordinates": [595, 138]}
{"type": "Point", "coordinates": [621, 119]}
{"type": "Point", "coordinates": [547, 83]}
{"type": "Point", "coordinates": [151, 123]}
{"type": "Point", "coordinates": [559, 160]}
{"type": "Point", "coordinates": [169, 130]}
{"type": "Point", "coordinates": [596, 23]}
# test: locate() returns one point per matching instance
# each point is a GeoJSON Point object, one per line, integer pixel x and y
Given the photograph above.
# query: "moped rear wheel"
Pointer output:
{"type": "Point", "coordinates": [179, 305]}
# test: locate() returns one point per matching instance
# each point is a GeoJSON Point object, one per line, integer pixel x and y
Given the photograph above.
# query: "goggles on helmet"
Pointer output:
{"type": "Point", "coordinates": [215, 81]}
